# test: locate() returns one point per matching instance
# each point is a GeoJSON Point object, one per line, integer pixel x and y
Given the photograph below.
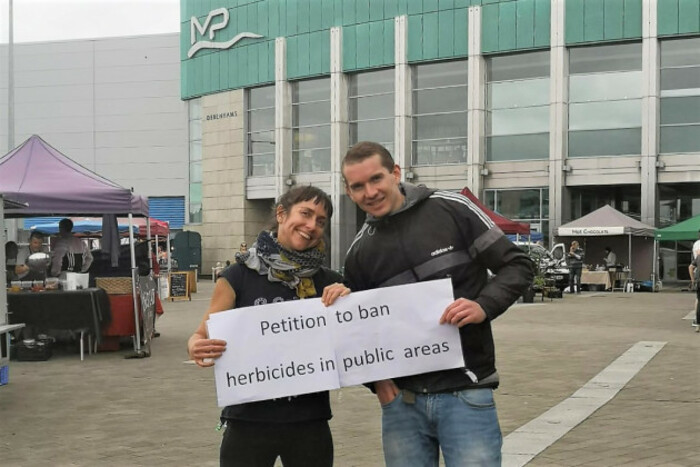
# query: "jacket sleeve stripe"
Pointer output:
{"type": "Point", "coordinates": [358, 236]}
{"type": "Point", "coordinates": [456, 197]}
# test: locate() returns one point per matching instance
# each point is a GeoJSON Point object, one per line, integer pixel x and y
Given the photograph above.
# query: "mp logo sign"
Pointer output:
{"type": "Point", "coordinates": [216, 20]}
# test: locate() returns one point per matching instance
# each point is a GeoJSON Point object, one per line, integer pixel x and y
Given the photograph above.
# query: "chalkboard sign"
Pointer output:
{"type": "Point", "coordinates": [179, 284]}
{"type": "Point", "coordinates": [147, 294]}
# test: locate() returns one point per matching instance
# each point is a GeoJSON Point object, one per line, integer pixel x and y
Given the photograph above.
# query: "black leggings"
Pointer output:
{"type": "Point", "coordinates": [575, 277]}
{"type": "Point", "coordinates": [258, 444]}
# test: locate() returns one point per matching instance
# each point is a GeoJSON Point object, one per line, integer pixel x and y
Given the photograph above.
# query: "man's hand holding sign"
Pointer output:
{"type": "Point", "coordinates": [298, 347]}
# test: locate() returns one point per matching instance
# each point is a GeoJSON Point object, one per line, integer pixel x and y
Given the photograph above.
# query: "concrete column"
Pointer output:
{"type": "Point", "coordinates": [283, 119]}
{"type": "Point", "coordinates": [344, 212]}
{"type": "Point", "coordinates": [476, 105]}
{"type": "Point", "coordinates": [650, 112]}
{"type": "Point", "coordinates": [403, 99]}
{"type": "Point", "coordinates": [558, 119]}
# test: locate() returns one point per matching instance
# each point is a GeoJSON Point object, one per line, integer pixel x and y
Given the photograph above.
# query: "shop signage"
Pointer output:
{"type": "Point", "coordinates": [590, 231]}
{"type": "Point", "coordinates": [209, 28]}
{"type": "Point", "coordinates": [220, 115]}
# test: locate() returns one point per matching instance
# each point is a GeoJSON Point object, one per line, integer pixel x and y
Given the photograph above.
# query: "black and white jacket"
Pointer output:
{"type": "Point", "coordinates": [439, 234]}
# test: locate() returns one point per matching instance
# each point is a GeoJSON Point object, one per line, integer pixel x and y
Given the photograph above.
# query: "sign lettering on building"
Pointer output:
{"type": "Point", "coordinates": [209, 28]}
{"type": "Point", "coordinates": [220, 115]}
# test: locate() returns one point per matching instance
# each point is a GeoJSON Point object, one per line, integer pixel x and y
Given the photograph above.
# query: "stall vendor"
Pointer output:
{"type": "Point", "coordinates": [69, 253]}
{"type": "Point", "coordinates": [22, 269]}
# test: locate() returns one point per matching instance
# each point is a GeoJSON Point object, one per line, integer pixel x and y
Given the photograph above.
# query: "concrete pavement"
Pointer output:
{"type": "Point", "coordinates": [111, 411]}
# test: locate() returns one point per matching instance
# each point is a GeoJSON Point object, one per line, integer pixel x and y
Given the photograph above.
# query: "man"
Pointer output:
{"type": "Point", "coordinates": [696, 246]}
{"type": "Point", "coordinates": [610, 258]}
{"type": "Point", "coordinates": [575, 262]}
{"type": "Point", "coordinates": [69, 253]}
{"type": "Point", "coordinates": [36, 242]}
{"type": "Point", "coordinates": [415, 234]}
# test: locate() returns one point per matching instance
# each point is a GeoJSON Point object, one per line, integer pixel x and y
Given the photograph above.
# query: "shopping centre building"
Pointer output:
{"type": "Point", "coordinates": [545, 109]}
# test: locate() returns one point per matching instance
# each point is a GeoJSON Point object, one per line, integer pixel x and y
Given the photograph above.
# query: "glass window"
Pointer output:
{"type": "Point", "coordinates": [605, 58]}
{"type": "Point", "coordinates": [603, 86]}
{"type": "Point", "coordinates": [311, 128]}
{"type": "Point", "coordinates": [518, 66]}
{"type": "Point", "coordinates": [195, 158]}
{"type": "Point", "coordinates": [528, 205]}
{"type": "Point", "coordinates": [680, 96]}
{"type": "Point", "coordinates": [371, 107]}
{"type": "Point", "coordinates": [589, 143]}
{"type": "Point", "coordinates": [261, 131]}
{"type": "Point", "coordinates": [517, 106]}
{"type": "Point", "coordinates": [440, 113]}
{"type": "Point", "coordinates": [605, 110]}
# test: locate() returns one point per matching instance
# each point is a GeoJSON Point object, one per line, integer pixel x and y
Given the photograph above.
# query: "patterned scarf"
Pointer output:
{"type": "Point", "coordinates": [292, 268]}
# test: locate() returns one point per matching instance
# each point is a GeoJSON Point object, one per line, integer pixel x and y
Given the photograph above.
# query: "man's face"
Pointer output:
{"type": "Point", "coordinates": [372, 187]}
{"type": "Point", "coordinates": [35, 245]}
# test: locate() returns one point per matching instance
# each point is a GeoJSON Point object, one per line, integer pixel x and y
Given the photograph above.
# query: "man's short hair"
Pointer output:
{"type": "Point", "coordinates": [366, 149]}
{"type": "Point", "coordinates": [66, 225]}
{"type": "Point", "coordinates": [36, 234]}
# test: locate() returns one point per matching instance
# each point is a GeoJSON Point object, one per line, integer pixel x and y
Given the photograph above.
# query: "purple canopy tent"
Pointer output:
{"type": "Point", "coordinates": [50, 183]}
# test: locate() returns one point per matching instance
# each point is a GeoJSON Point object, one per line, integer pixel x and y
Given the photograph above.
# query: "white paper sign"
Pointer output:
{"type": "Point", "coordinates": [301, 346]}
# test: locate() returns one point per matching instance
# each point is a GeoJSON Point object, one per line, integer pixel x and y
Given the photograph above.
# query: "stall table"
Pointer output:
{"type": "Point", "coordinates": [72, 310]}
{"type": "Point", "coordinates": [603, 278]}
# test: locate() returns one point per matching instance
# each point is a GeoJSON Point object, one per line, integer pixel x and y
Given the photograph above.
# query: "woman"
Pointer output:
{"type": "Point", "coordinates": [285, 263]}
{"type": "Point", "coordinates": [575, 260]}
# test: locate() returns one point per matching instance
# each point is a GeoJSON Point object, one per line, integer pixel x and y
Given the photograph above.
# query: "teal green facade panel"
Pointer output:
{"type": "Point", "coordinates": [361, 10]}
{"type": "Point", "coordinates": [678, 17]}
{"type": "Point", "coordinates": [368, 45]}
{"type": "Point", "coordinates": [446, 37]}
{"type": "Point", "coordinates": [363, 45]}
{"type": "Point", "coordinates": [689, 16]}
{"type": "Point", "coordinates": [509, 26]}
{"type": "Point", "coordinates": [591, 21]}
{"type": "Point", "coordinates": [437, 30]}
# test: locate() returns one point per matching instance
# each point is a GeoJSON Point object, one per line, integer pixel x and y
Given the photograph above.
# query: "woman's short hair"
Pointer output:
{"type": "Point", "coordinates": [300, 194]}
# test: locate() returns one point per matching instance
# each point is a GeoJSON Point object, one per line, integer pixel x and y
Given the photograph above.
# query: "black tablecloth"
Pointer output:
{"type": "Point", "coordinates": [61, 309]}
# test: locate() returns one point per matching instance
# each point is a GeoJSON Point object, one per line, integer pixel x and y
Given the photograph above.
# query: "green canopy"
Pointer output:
{"type": "Point", "coordinates": [686, 230]}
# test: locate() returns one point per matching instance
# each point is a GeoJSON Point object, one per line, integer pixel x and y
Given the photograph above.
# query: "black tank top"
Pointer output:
{"type": "Point", "coordinates": [253, 289]}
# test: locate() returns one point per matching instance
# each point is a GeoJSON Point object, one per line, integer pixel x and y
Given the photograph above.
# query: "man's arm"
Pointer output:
{"type": "Point", "coordinates": [514, 272]}
{"type": "Point", "coordinates": [57, 258]}
{"type": "Point", "coordinates": [513, 269]}
{"type": "Point", "coordinates": [87, 256]}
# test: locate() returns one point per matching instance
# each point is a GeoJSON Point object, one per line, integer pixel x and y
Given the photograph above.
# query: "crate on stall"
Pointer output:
{"type": "Point", "coordinates": [114, 285]}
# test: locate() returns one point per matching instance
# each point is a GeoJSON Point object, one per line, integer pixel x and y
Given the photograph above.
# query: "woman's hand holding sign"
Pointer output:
{"type": "Point", "coordinates": [332, 292]}
{"type": "Point", "coordinates": [204, 351]}
{"type": "Point", "coordinates": [463, 311]}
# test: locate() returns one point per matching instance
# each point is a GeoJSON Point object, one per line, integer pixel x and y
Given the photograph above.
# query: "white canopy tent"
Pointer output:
{"type": "Point", "coordinates": [610, 226]}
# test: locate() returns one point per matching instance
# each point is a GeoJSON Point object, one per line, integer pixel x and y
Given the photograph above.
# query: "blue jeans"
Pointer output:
{"type": "Point", "coordinates": [464, 424]}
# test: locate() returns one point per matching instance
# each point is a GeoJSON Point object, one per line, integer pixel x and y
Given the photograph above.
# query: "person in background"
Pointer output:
{"type": "Point", "coordinates": [575, 261]}
{"type": "Point", "coordinates": [69, 252]}
{"type": "Point", "coordinates": [610, 258]}
{"type": "Point", "coordinates": [285, 263]}
{"type": "Point", "coordinates": [243, 249]}
{"type": "Point", "coordinates": [694, 272]}
{"type": "Point", "coordinates": [450, 410]}
{"type": "Point", "coordinates": [11, 250]}
{"type": "Point", "coordinates": [36, 245]}
{"type": "Point", "coordinates": [696, 246]}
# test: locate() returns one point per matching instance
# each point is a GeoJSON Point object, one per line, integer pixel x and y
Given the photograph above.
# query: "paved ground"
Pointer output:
{"type": "Point", "coordinates": [113, 411]}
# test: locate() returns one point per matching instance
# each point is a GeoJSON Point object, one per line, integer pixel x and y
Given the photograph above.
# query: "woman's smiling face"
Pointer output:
{"type": "Point", "coordinates": [302, 227]}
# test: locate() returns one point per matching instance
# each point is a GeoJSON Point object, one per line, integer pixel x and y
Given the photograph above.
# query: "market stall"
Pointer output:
{"type": "Point", "coordinates": [5, 326]}
{"type": "Point", "coordinates": [686, 230]}
{"type": "Point", "coordinates": [49, 183]}
{"type": "Point", "coordinates": [506, 225]}
{"type": "Point", "coordinates": [631, 239]}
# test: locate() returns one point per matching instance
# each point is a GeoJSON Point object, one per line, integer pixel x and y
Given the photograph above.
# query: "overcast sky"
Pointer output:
{"type": "Point", "coordinates": [52, 20]}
